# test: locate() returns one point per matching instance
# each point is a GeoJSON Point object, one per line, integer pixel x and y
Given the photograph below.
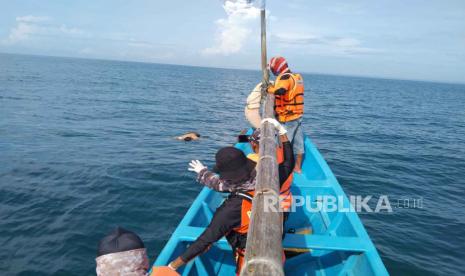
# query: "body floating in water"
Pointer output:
{"type": "Point", "coordinates": [189, 136]}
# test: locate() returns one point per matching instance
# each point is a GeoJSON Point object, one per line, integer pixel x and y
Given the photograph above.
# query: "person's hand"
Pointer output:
{"type": "Point", "coordinates": [269, 88]}
{"type": "Point", "coordinates": [196, 166]}
{"type": "Point", "coordinates": [280, 128]}
{"type": "Point", "coordinates": [177, 263]}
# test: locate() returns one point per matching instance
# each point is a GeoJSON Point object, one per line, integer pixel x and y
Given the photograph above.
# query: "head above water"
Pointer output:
{"type": "Point", "coordinates": [233, 165]}
{"type": "Point", "coordinates": [189, 136]}
{"type": "Point", "coordinates": [278, 65]}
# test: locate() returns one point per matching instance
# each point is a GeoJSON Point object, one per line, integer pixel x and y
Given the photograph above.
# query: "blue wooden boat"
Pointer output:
{"type": "Point", "coordinates": [320, 243]}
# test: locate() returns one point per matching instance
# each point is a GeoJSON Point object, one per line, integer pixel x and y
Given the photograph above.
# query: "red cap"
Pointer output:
{"type": "Point", "coordinates": [278, 65]}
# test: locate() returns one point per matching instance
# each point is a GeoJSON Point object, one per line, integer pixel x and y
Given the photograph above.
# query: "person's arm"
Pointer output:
{"type": "Point", "coordinates": [287, 166]}
{"type": "Point", "coordinates": [226, 217]}
{"type": "Point", "coordinates": [208, 178]}
{"type": "Point", "coordinates": [281, 86]}
{"type": "Point", "coordinates": [280, 91]}
{"type": "Point", "coordinates": [213, 181]}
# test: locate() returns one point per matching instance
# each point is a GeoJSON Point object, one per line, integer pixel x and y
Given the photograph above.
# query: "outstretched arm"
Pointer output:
{"type": "Point", "coordinates": [213, 181]}
{"type": "Point", "coordinates": [208, 178]}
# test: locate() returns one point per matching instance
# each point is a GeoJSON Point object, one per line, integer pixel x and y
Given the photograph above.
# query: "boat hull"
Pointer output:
{"type": "Point", "coordinates": [317, 242]}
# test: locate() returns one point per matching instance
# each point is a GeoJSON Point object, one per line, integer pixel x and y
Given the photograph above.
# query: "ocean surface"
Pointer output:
{"type": "Point", "coordinates": [86, 145]}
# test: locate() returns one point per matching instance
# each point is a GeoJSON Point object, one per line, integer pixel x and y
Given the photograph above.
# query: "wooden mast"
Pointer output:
{"type": "Point", "coordinates": [264, 240]}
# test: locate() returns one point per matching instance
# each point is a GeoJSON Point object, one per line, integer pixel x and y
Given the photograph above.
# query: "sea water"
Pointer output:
{"type": "Point", "coordinates": [87, 145]}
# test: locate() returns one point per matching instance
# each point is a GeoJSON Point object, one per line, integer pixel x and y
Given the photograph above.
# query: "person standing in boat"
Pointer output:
{"type": "Point", "coordinates": [289, 104]}
{"type": "Point", "coordinates": [237, 175]}
{"type": "Point", "coordinates": [285, 178]}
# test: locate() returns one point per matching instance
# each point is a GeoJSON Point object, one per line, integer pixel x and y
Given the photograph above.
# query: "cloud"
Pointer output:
{"type": "Point", "coordinates": [123, 46]}
{"type": "Point", "coordinates": [29, 26]}
{"type": "Point", "coordinates": [86, 51]}
{"type": "Point", "coordinates": [322, 44]}
{"type": "Point", "coordinates": [345, 9]}
{"type": "Point", "coordinates": [296, 38]}
{"type": "Point", "coordinates": [44, 35]}
{"type": "Point", "coordinates": [233, 30]}
{"type": "Point", "coordinates": [147, 51]}
{"type": "Point", "coordinates": [353, 46]}
{"type": "Point", "coordinates": [32, 19]}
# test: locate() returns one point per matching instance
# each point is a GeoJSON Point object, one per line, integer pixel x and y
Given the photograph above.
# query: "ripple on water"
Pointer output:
{"type": "Point", "coordinates": [88, 145]}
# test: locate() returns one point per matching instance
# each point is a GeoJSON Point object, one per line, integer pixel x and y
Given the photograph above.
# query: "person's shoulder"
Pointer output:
{"type": "Point", "coordinates": [231, 205]}
{"type": "Point", "coordinates": [294, 75]}
{"type": "Point", "coordinates": [285, 76]}
{"type": "Point", "coordinates": [232, 200]}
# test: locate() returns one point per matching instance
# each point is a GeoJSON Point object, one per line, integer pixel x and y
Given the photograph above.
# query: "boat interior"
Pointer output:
{"type": "Point", "coordinates": [317, 242]}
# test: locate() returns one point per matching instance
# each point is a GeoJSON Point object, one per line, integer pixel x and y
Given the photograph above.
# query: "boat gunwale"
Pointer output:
{"type": "Point", "coordinates": [368, 248]}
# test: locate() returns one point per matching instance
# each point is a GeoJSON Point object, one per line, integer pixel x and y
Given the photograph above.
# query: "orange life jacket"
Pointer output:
{"type": "Point", "coordinates": [290, 106]}
{"type": "Point", "coordinates": [285, 200]}
{"type": "Point", "coordinates": [279, 155]}
{"type": "Point", "coordinates": [285, 197]}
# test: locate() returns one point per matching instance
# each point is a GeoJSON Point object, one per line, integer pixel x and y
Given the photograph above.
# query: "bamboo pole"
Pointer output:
{"type": "Point", "coordinates": [264, 240]}
{"type": "Point", "coordinates": [266, 74]}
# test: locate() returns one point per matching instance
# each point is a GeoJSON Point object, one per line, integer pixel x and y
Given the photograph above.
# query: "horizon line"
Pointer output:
{"type": "Point", "coordinates": [235, 68]}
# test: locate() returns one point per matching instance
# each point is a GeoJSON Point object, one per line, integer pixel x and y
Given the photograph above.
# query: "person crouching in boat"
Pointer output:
{"type": "Point", "coordinates": [289, 104]}
{"type": "Point", "coordinates": [121, 252]}
{"type": "Point", "coordinates": [237, 175]}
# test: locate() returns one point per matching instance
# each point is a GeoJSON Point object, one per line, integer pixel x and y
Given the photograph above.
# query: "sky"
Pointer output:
{"type": "Point", "coordinates": [415, 39]}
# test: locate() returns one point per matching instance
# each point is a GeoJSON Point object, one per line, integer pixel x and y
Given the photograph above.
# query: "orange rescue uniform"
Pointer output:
{"type": "Point", "coordinates": [289, 101]}
{"type": "Point", "coordinates": [285, 200]}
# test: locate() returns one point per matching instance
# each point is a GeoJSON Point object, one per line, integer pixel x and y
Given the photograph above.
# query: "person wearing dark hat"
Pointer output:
{"type": "Point", "coordinates": [121, 252]}
{"type": "Point", "coordinates": [235, 174]}
{"type": "Point", "coordinates": [233, 171]}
